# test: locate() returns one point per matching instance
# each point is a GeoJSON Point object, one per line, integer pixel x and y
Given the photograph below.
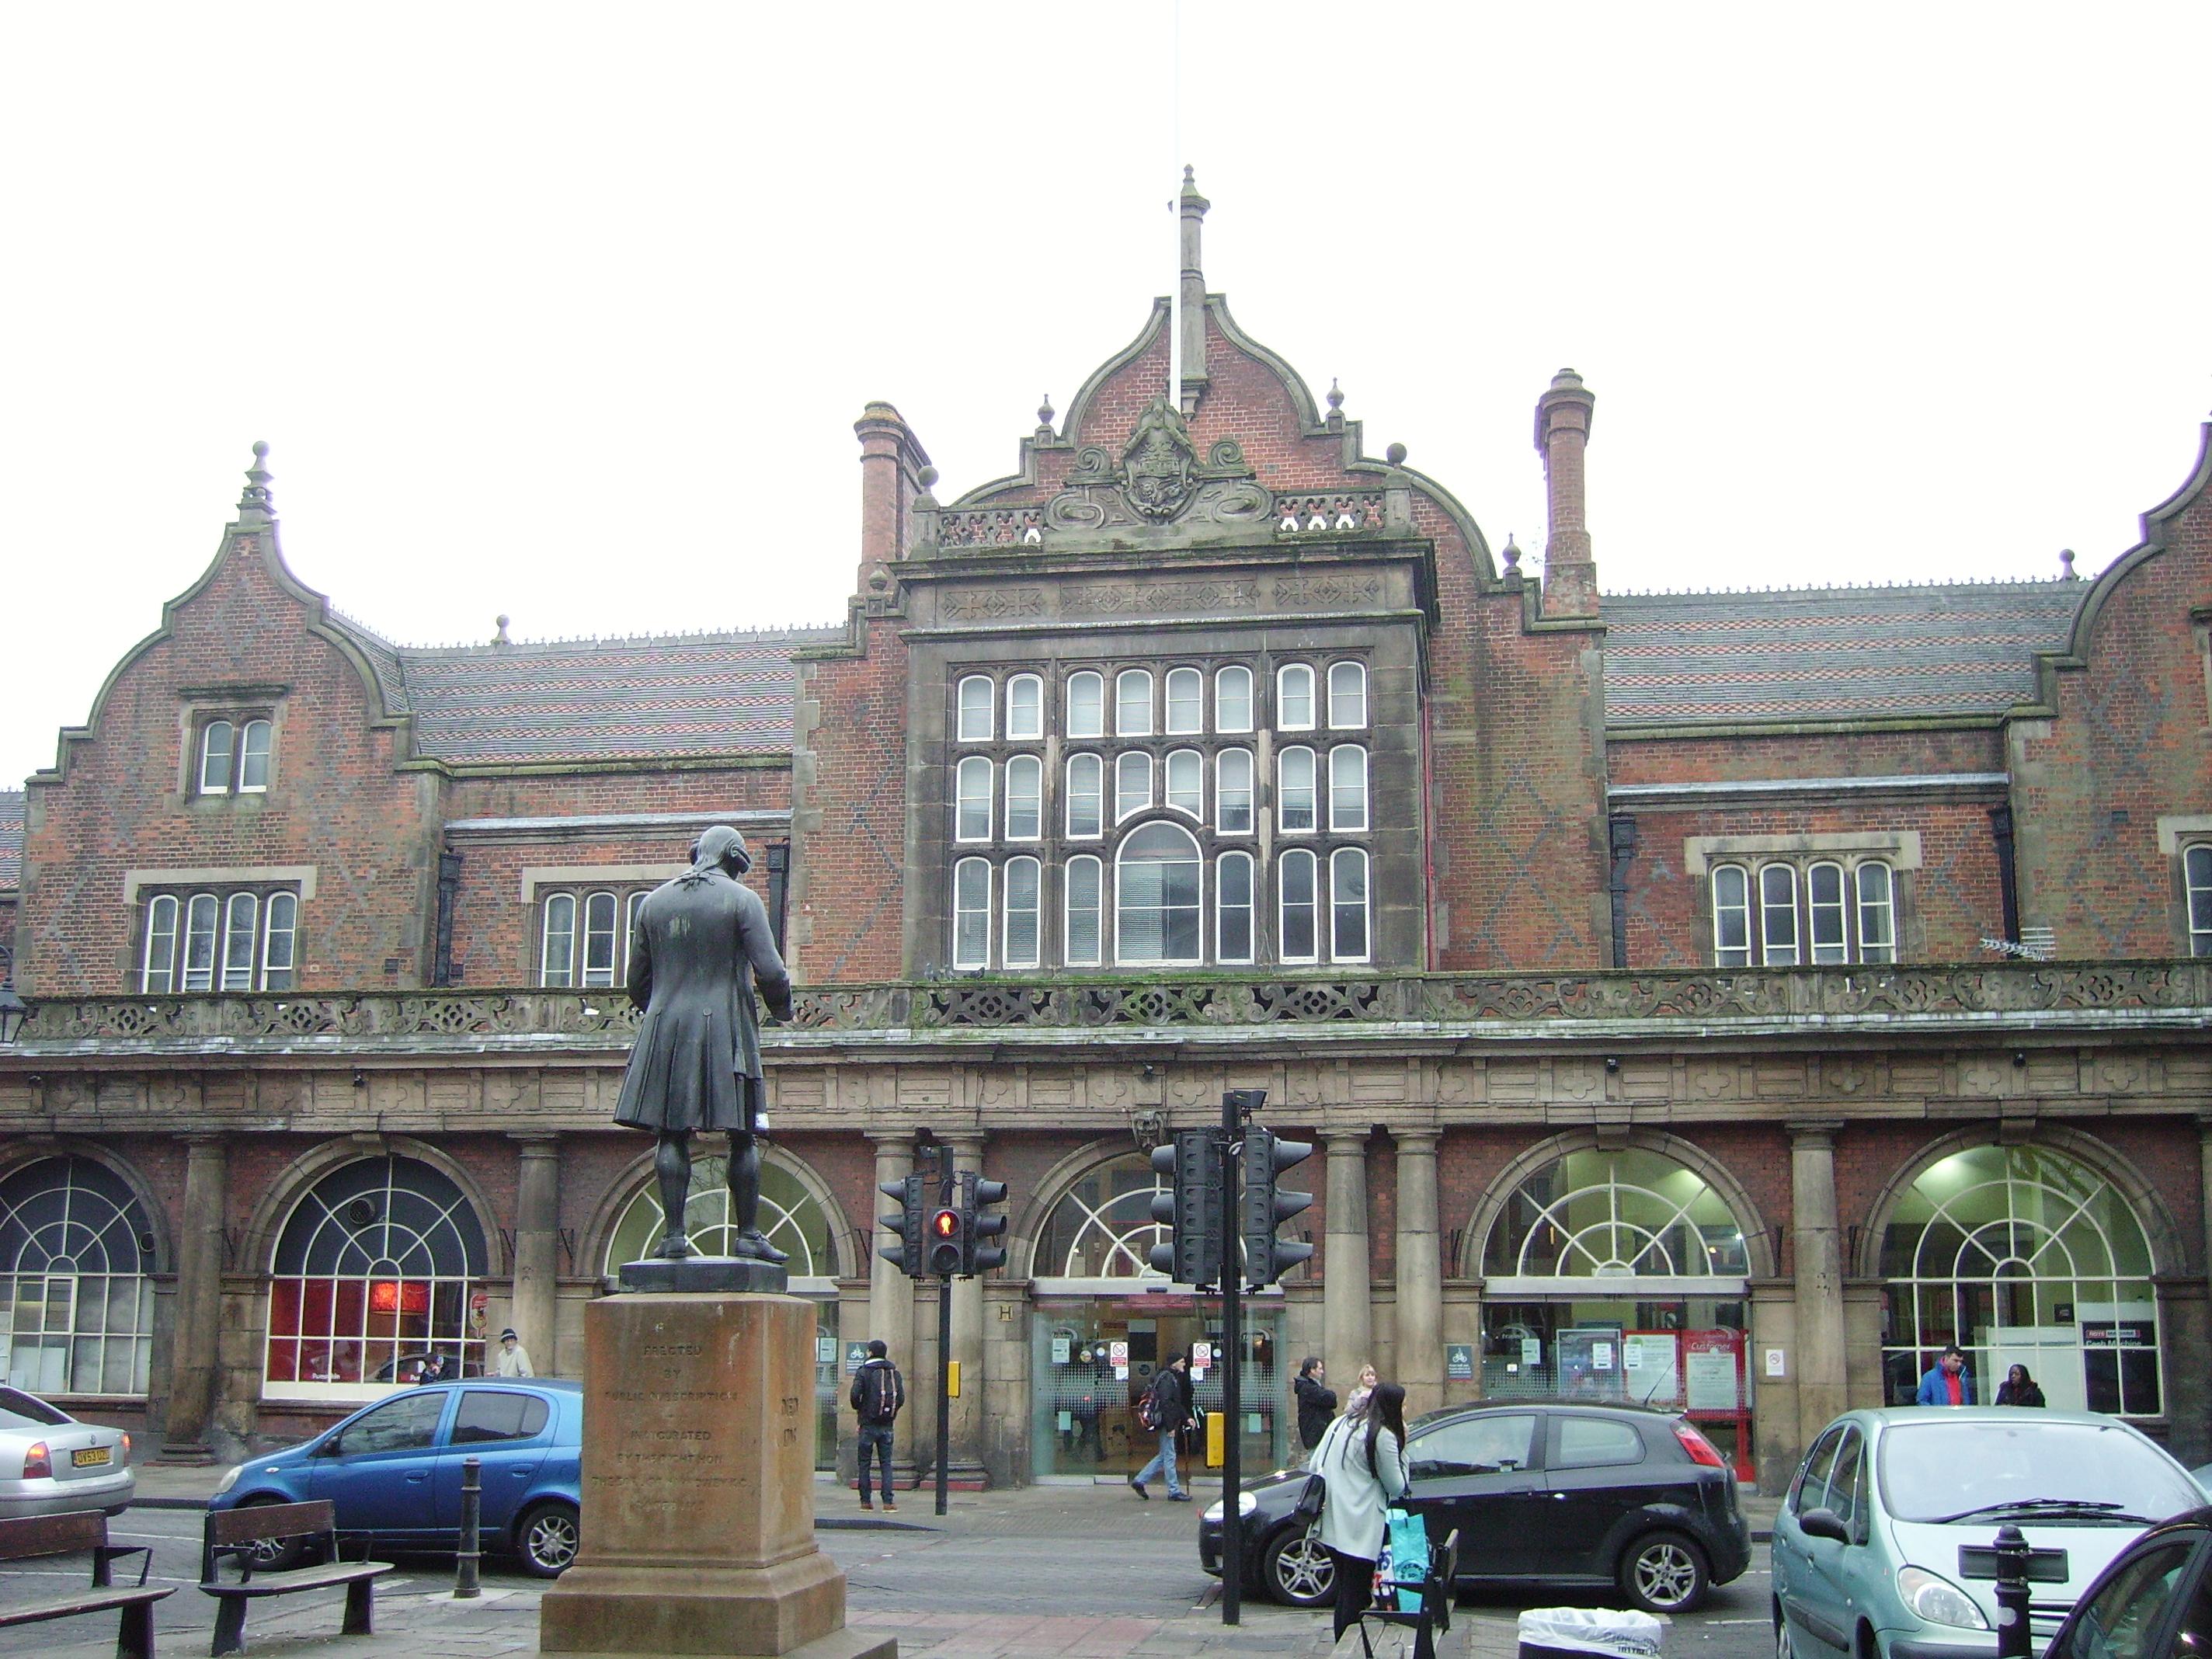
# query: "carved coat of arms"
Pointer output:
{"type": "Point", "coordinates": [1159, 478]}
{"type": "Point", "coordinates": [1156, 465]}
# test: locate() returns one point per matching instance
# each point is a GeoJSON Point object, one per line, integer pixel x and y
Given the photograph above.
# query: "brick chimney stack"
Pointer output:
{"type": "Point", "coordinates": [1563, 424]}
{"type": "Point", "coordinates": [891, 460]}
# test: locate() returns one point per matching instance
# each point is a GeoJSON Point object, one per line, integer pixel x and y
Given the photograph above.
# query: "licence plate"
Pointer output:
{"type": "Point", "coordinates": [89, 1457]}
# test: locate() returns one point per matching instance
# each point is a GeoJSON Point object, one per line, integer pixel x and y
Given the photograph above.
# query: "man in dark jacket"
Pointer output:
{"type": "Point", "coordinates": [697, 1063]}
{"type": "Point", "coordinates": [1170, 1396]}
{"type": "Point", "coordinates": [1316, 1404]}
{"type": "Point", "coordinates": [879, 1392]}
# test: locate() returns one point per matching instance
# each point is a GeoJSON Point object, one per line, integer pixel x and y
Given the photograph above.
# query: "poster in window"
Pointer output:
{"type": "Point", "coordinates": [1651, 1368]}
{"type": "Point", "coordinates": [1589, 1366]}
{"type": "Point", "coordinates": [1712, 1365]}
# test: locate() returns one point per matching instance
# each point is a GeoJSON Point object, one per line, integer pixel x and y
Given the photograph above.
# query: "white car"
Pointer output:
{"type": "Point", "coordinates": [1882, 1549]}
{"type": "Point", "coordinates": [51, 1463]}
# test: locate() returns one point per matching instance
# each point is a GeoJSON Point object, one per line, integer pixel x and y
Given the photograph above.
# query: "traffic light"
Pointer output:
{"type": "Point", "coordinates": [1191, 1208]}
{"type": "Point", "coordinates": [1268, 1205]}
{"type": "Point", "coordinates": [978, 1195]}
{"type": "Point", "coordinates": [908, 1224]}
{"type": "Point", "coordinates": [948, 1244]}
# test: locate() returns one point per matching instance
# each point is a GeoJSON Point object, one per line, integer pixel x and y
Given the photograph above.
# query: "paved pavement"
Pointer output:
{"type": "Point", "coordinates": [1043, 1571]}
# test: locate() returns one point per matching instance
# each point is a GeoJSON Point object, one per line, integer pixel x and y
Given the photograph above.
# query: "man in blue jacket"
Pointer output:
{"type": "Point", "coordinates": [1948, 1382]}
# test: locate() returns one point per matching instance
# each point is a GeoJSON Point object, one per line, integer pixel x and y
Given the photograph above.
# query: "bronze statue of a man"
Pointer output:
{"type": "Point", "coordinates": [696, 1064]}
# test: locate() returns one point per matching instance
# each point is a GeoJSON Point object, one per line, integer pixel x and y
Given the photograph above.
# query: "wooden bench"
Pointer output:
{"type": "Point", "coordinates": [235, 1532]}
{"type": "Point", "coordinates": [1436, 1589]}
{"type": "Point", "coordinates": [35, 1535]}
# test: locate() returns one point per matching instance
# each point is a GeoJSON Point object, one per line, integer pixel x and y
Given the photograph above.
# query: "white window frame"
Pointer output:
{"type": "Point", "coordinates": [210, 784]}
{"type": "Point", "coordinates": [1736, 904]}
{"type": "Point", "coordinates": [1016, 870]}
{"type": "Point", "coordinates": [1872, 949]}
{"type": "Point", "coordinates": [1344, 859]}
{"type": "Point", "coordinates": [162, 941]}
{"type": "Point", "coordinates": [562, 907]}
{"type": "Point", "coordinates": [1123, 809]}
{"type": "Point", "coordinates": [1225, 701]}
{"type": "Point", "coordinates": [1355, 674]}
{"type": "Point", "coordinates": [1344, 796]}
{"type": "Point", "coordinates": [1193, 686]}
{"type": "Point", "coordinates": [1086, 684]}
{"type": "Point", "coordinates": [254, 743]}
{"type": "Point", "coordinates": [1192, 764]}
{"type": "Point", "coordinates": [1096, 868]}
{"type": "Point", "coordinates": [1827, 921]}
{"type": "Point", "coordinates": [278, 974]}
{"type": "Point", "coordinates": [1021, 687]}
{"type": "Point", "coordinates": [1311, 790]}
{"type": "Point", "coordinates": [1250, 907]}
{"type": "Point", "coordinates": [1197, 859]}
{"type": "Point", "coordinates": [1309, 863]}
{"type": "Point", "coordinates": [1094, 766]}
{"type": "Point", "coordinates": [194, 934]}
{"type": "Point", "coordinates": [1123, 683]}
{"type": "Point", "coordinates": [967, 831]}
{"type": "Point", "coordinates": [1030, 767]}
{"type": "Point", "coordinates": [2197, 897]}
{"type": "Point", "coordinates": [1774, 951]}
{"type": "Point", "coordinates": [599, 914]}
{"type": "Point", "coordinates": [241, 938]}
{"type": "Point", "coordinates": [1285, 697]}
{"type": "Point", "coordinates": [983, 725]}
{"type": "Point", "coordinates": [964, 870]}
{"type": "Point", "coordinates": [1225, 791]}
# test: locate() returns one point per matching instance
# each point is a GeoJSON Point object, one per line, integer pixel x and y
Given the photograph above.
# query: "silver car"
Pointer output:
{"type": "Point", "coordinates": [1882, 1547]}
{"type": "Point", "coordinates": [51, 1463]}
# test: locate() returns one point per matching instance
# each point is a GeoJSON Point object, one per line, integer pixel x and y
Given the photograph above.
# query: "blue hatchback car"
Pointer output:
{"type": "Point", "coordinates": [394, 1469]}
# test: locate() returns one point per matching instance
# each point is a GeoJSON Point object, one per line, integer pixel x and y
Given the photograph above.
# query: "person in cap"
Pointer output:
{"type": "Point", "coordinates": [697, 1063]}
{"type": "Point", "coordinates": [513, 1357]}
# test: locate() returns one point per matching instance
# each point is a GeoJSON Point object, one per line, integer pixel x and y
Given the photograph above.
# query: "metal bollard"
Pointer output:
{"type": "Point", "coordinates": [2014, 1641]}
{"type": "Point", "coordinates": [465, 1563]}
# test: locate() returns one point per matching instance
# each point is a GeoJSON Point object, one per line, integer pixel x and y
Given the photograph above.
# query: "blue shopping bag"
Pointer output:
{"type": "Point", "coordinates": [1406, 1542]}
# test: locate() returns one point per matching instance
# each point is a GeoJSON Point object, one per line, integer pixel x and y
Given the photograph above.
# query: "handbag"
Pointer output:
{"type": "Point", "coordinates": [1307, 1511]}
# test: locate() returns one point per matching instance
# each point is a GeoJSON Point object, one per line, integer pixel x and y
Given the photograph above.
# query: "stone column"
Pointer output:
{"type": "Point", "coordinates": [199, 1302]}
{"type": "Point", "coordinates": [1420, 1351]}
{"type": "Point", "coordinates": [1819, 1363]}
{"type": "Point", "coordinates": [967, 1438]}
{"type": "Point", "coordinates": [536, 1252]}
{"type": "Point", "coordinates": [1346, 1309]}
{"type": "Point", "coordinates": [890, 1312]}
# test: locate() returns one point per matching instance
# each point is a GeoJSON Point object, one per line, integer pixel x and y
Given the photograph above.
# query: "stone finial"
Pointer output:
{"type": "Point", "coordinates": [1395, 454]}
{"type": "Point", "coordinates": [927, 478]}
{"type": "Point", "coordinates": [2065, 564]}
{"type": "Point", "coordinates": [1512, 555]}
{"type": "Point", "coordinates": [1335, 403]}
{"type": "Point", "coordinates": [501, 638]}
{"type": "Point", "coordinates": [255, 499]}
{"type": "Point", "coordinates": [1191, 291]}
{"type": "Point", "coordinates": [1045, 417]}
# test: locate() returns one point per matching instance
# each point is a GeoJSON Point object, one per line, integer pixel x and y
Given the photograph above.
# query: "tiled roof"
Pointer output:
{"type": "Point", "coordinates": [1829, 653]}
{"type": "Point", "coordinates": [705, 694]}
{"type": "Point", "coordinates": [11, 839]}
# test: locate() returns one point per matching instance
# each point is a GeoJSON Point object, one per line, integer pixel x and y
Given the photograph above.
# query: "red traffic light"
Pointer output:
{"type": "Point", "coordinates": [945, 1223]}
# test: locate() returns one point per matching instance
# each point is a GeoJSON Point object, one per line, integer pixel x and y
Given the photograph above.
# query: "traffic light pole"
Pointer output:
{"type": "Point", "coordinates": [1232, 1285]}
{"type": "Point", "coordinates": [948, 1185]}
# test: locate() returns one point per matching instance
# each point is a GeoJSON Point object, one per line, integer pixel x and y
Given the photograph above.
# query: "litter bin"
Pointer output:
{"type": "Point", "coordinates": [1575, 1632]}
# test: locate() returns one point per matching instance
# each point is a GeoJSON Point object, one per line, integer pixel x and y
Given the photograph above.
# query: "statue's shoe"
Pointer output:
{"type": "Point", "coordinates": [755, 1244]}
{"type": "Point", "coordinates": [675, 1247]}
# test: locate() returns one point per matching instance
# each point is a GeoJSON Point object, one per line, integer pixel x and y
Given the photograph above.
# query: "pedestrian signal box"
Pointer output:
{"type": "Point", "coordinates": [948, 1244]}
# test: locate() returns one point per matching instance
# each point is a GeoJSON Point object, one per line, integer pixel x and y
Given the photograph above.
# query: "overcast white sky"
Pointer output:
{"type": "Point", "coordinates": [567, 311]}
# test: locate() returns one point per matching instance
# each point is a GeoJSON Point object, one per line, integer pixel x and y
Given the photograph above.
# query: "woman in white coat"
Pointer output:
{"type": "Point", "coordinates": [1362, 1460]}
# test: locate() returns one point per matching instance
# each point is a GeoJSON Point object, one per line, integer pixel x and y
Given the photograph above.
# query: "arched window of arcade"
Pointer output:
{"type": "Point", "coordinates": [77, 1301]}
{"type": "Point", "coordinates": [1622, 1275]}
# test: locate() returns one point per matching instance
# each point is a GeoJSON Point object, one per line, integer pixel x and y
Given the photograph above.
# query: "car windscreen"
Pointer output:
{"type": "Point", "coordinates": [1942, 1471]}
{"type": "Point", "coordinates": [18, 1409]}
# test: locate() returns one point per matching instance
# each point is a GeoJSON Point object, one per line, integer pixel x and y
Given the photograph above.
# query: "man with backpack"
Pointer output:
{"type": "Point", "coordinates": [1164, 1409]}
{"type": "Point", "coordinates": [879, 1392]}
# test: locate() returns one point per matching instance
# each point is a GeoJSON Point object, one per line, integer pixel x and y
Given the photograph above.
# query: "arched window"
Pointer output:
{"type": "Point", "coordinates": [241, 929]}
{"type": "Point", "coordinates": [1877, 912]}
{"type": "Point", "coordinates": [161, 976]}
{"type": "Point", "coordinates": [75, 1254]}
{"type": "Point", "coordinates": [253, 757]}
{"type": "Point", "coordinates": [1086, 796]}
{"type": "Point", "coordinates": [1133, 784]}
{"type": "Point", "coordinates": [1102, 1226]}
{"type": "Point", "coordinates": [972, 816]}
{"type": "Point", "coordinates": [1626, 1214]}
{"type": "Point", "coordinates": [1825, 913]}
{"type": "Point", "coordinates": [1232, 700]}
{"type": "Point", "coordinates": [1294, 697]}
{"type": "Point", "coordinates": [1086, 705]}
{"type": "Point", "coordinates": [1232, 791]}
{"type": "Point", "coordinates": [1133, 702]}
{"type": "Point", "coordinates": [1347, 695]}
{"type": "Point", "coordinates": [792, 1216]}
{"type": "Point", "coordinates": [1347, 788]}
{"type": "Point", "coordinates": [558, 961]}
{"type": "Point", "coordinates": [1731, 916]}
{"type": "Point", "coordinates": [1156, 897]}
{"type": "Point", "coordinates": [599, 939]}
{"type": "Point", "coordinates": [1024, 709]}
{"type": "Point", "coordinates": [1232, 907]}
{"type": "Point", "coordinates": [1186, 782]}
{"type": "Point", "coordinates": [1018, 944]}
{"type": "Point", "coordinates": [1777, 915]}
{"type": "Point", "coordinates": [281, 928]}
{"type": "Point", "coordinates": [203, 920]}
{"type": "Point", "coordinates": [2022, 1255]}
{"type": "Point", "coordinates": [1348, 904]}
{"type": "Point", "coordinates": [1024, 798]}
{"type": "Point", "coordinates": [971, 914]}
{"type": "Point", "coordinates": [976, 697]}
{"type": "Point", "coordinates": [1294, 792]}
{"type": "Point", "coordinates": [218, 740]}
{"type": "Point", "coordinates": [374, 1269]}
{"type": "Point", "coordinates": [1086, 887]}
{"type": "Point", "coordinates": [1186, 702]}
{"type": "Point", "coordinates": [1299, 924]}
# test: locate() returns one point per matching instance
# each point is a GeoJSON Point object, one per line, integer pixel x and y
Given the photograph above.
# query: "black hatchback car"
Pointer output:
{"type": "Point", "coordinates": [1540, 1493]}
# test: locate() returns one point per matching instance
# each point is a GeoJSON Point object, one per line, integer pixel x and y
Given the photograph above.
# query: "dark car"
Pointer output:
{"type": "Point", "coordinates": [2152, 1602]}
{"type": "Point", "coordinates": [394, 1470]}
{"type": "Point", "coordinates": [1567, 1496]}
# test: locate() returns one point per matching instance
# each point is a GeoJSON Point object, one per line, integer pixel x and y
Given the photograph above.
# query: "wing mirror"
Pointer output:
{"type": "Point", "coordinates": [1823, 1523]}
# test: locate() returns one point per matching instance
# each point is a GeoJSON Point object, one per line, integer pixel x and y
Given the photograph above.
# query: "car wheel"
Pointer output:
{"type": "Point", "coordinates": [273, 1555]}
{"type": "Point", "coordinates": [1664, 1572]}
{"type": "Point", "coordinates": [547, 1539]}
{"type": "Point", "coordinates": [1297, 1571]}
{"type": "Point", "coordinates": [1784, 1647]}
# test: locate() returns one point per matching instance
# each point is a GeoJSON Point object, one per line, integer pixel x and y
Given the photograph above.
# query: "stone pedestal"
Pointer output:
{"type": "Point", "coordinates": [698, 1479]}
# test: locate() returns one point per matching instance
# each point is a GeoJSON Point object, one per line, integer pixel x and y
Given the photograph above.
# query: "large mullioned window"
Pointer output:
{"type": "Point", "coordinates": [236, 939]}
{"type": "Point", "coordinates": [1789, 914]}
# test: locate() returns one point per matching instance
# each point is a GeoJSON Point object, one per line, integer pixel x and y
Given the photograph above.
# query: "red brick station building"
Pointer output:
{"type": "Point", "coordinates": [1715, 999]}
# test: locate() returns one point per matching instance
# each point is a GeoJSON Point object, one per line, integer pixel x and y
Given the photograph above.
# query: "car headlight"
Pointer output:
{"type": "Point", "coordinates": [1938, 1600]}
{"type": "Point", "coordinates": [230, 1479]}
{"type": "Point", "coordinates": [1246, 1503]}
